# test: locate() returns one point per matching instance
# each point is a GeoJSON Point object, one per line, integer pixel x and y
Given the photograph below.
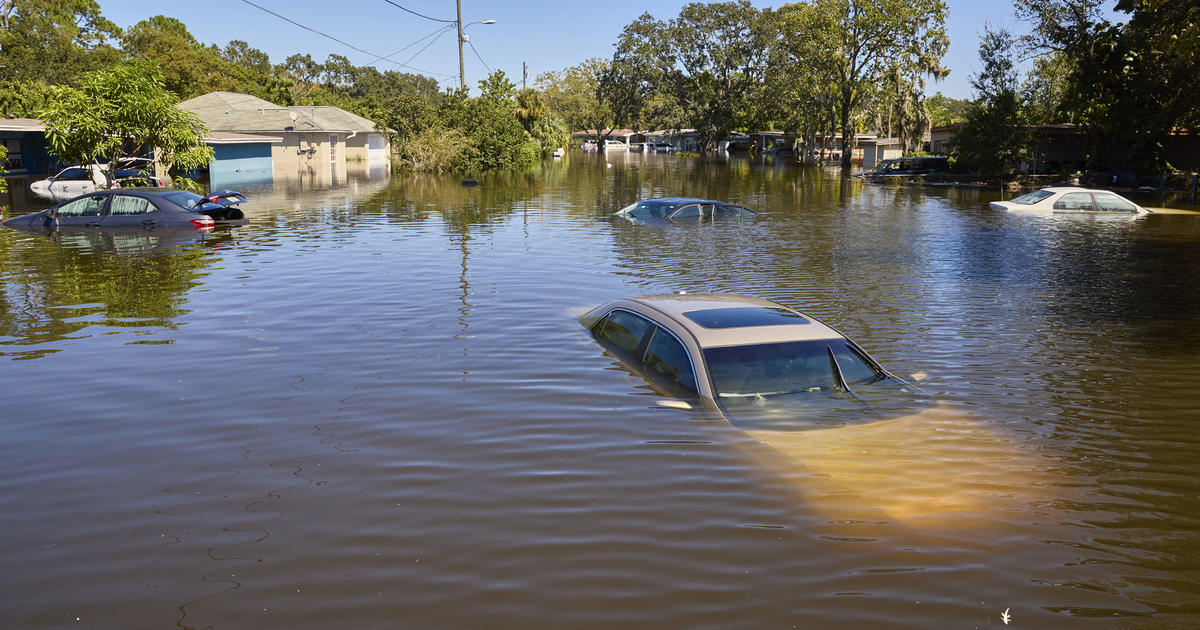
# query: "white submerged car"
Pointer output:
{"type": "Point", "coordinates": [1071, 200]}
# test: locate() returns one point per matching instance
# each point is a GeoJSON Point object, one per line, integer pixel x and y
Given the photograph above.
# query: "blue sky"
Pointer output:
{"type": "Point", "coordinates": [547, 35]}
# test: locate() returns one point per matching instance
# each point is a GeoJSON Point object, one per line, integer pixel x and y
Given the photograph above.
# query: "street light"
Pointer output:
{"type": "Point", "coordinates": [462, 75]}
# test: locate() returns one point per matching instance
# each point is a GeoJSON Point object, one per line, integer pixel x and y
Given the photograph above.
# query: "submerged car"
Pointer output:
{"type": "Point", "coordinates": [1070, 200]}
{"type": "Point", "coordinates": [137, 208]}
{"type": "Point", "coordinates": [79, 180]}
{"type": "Point", "coordinates": [907, 167]}
{"type": "Point", "coordinates": [760, 364]}
{"type": "Point", "coordinates": [683, 209]}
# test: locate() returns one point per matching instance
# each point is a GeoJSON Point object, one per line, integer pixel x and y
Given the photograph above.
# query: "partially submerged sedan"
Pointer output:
{"type": "Point", "coordinates": [79, 180]}
{"type": "Point", "coordinates": [684, 210]}
{"type": "Point", "coordinates": [1071, 200]}
{"type": "Point", "coordinates": [137, 208]}
{"type": "Point", "coordinates": [761, 364]}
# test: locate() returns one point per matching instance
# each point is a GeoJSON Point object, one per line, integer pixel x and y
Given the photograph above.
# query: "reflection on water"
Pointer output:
{"type": "Point", "coordinates": [939, 467]}
{"type": "Point", "coordinates": [371, 405]}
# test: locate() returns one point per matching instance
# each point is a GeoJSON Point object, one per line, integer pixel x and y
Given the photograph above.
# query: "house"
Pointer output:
{"type": "Point", "coordinates": [876, 150]}
{"type": "Point", "coordinates": [25, 139]}
{"type": "Point", "coordinates": [311, 141]}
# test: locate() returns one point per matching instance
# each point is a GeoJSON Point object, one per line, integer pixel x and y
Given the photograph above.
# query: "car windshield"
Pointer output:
{"type": "Point", "coordinates": [1031, 198]}
{"type": "Point", "coordinates": [822, 365]}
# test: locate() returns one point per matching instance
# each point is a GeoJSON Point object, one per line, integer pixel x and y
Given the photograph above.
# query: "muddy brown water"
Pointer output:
{"type": "Point", "coordinates": [370, 408]}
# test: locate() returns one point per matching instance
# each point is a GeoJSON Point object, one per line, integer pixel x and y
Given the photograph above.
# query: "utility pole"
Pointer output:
{"type": "Point", "coordinates": [524, 75]}
{"type": "Point", "coordinates": [462, 75]}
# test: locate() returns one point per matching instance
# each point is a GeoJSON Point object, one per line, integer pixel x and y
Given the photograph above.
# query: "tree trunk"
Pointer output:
{"type": "Point", "coordinates": [846, 134]}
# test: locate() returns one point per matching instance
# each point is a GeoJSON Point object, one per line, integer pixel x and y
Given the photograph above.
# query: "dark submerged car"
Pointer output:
{"type": "Point", "coordinates": [137, 208]}
{"type": "Point", "coordinates": [908, 167]}
{"type": "Point", "coordinates": [684, 210]}
{"type": "Point", "coordinates": [762, 365]}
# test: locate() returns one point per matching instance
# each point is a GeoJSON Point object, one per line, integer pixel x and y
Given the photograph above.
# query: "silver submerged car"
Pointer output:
{"type": "Point", "coordinates": [684, 210]}
{"type": "Point", "coordinates": [760, 364]}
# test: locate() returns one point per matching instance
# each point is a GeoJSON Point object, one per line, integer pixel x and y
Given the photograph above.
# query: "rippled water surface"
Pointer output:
{"type": "Point", "coordinates": [371, 408]}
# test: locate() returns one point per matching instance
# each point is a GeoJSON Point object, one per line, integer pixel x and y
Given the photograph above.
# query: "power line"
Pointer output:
{"type": "Point", "coordinates": [420, 15]}
{"type": "Point", "coordinates": [441, 30]}
{"type": "Point", "coordinates": [472, 45]}
{"type": "Point", "coordinates": [434, 41]}
{"type": "Point", "coordinates": [346, 44]}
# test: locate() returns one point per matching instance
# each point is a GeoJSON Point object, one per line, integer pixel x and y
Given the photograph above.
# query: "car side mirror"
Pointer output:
{"type": "Point", "coordinates": [673, 404]}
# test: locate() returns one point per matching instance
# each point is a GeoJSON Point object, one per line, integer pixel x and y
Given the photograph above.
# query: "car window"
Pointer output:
{"type": "Point", "coordinates": [1079, 201]}
{"type": "Point", "coordinates": [625, 331]}
{"type": "Point", "coordinates": [690, 211]}
{"type": "Point", "coordinates": [126, 205]}
{"type": "Point", "coordinates": [183, 198]}
{"type": "Point", "coordinates": [84, 207]}
{"type": "Point", "coordinates": [856, 370]}
{"type": "Point", "coordinates": [1108, 202]}
{"type": "Point", "coordinates": [1029, 199]}
{"type": "Point", "coordinates": [668, 362]}
{"type": "Point", "coordinates": [73, 175]}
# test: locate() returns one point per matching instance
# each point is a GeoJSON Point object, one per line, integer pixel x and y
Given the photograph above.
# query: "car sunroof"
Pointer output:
{"type": "Point", "coordinates": [744, 317]}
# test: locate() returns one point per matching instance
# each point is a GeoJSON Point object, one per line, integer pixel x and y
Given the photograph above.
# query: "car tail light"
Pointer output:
{"type": "Point", "coordinates": [116, 184]}
{"type": "Point", "coordinates": [204, 222]}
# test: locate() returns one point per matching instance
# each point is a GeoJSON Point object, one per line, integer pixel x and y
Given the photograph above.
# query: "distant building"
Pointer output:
{"type": "Point", "coordinates": [876, 150]}
{"type": "Point", "coordinates": [255, 139]}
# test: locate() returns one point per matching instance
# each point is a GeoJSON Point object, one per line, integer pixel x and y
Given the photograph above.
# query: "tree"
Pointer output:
{"type": "Point", "coordinates": [710, 60]}
{"type": "Point", "coordinates": [125, 111]}
{"type": "Point", "coordinates": [3, 162]}
{"type": "Point", "coordinates": [995, 139]}
{"type": "Point", "coordinates": [50, 41]}
{"type": "Point", "coordinates": [496, 87]}
{"type": "Point", "coordinates": [945, 111]}
{"type": "Point", "coordinates": [576, 94]}
{"type": "Point", "coordinates": [878, 37]}
{"type": "Point", "coordinates": [1129, 86]}
{"type": "Point", "coordinates": [802, 74]}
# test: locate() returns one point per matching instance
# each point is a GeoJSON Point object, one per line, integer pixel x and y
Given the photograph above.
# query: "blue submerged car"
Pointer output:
{"type": "Point", "coordinates": [146, 208]}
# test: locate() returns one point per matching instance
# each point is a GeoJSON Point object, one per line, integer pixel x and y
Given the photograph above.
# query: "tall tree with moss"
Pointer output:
{"type": "Point", "coordinates": [875, 38]}
{"type": "Point", "coordinates": [995, 139]}
{"type": "Point", "coordinates": [121, 112]}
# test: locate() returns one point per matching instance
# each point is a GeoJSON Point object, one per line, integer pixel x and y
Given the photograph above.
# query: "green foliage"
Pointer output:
{"type": "Point", "coordinates": [23, 98]}
{"type": "Point", "coordinates": [877, 38]}
{"type": "Point", "coordinates": [50, 41]}
{"type": "Point", "coordinates": [1128, 85]}
{"type": "Point", "coordinates": [995, 138]}
{"type": "Point", "coordinates": [3, 162]}
{"type": "Point", "coordinates": [125, 111]}
{"type": "Point", "coordinates": [709, 61]}
{"type": "Point", "coordinates": [496, 87]}
{"type": "Point", "coordinates": [580, 96]}
{"type": "Point", "coordinates": [944, 111]}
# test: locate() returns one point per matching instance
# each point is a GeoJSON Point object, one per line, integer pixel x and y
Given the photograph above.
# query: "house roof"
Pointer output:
{"type": "Point", "coordinates": [229, 137]}
{"type": "Point", "coordinates": [21, 124]}
{"type": "Point", "coordinates": [243, 113]}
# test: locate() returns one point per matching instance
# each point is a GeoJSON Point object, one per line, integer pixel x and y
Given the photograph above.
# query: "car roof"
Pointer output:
{"type": "Point", "coordinates": [1067, 189]}
{"type": "Point", "coordinates": [682, 200]}
{"type": "Point", "coordinates": [678, 305]}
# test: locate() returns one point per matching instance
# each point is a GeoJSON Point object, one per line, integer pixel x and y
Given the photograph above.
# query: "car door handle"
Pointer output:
{"type": "Point", "coordinates": [93, 224]}
{"type": "Point", "coordinates": [149, 222]}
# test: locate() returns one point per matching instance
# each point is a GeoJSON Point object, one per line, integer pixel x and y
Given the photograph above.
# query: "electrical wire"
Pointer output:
{"type": "Point", "coordinates": [472, 45]}
{"type": "Point", "coordinates": [420, 15]}
{"type": "Point", "coordinates": [441, 31]}
{"type": "Point", "coordinates": [346, 44]}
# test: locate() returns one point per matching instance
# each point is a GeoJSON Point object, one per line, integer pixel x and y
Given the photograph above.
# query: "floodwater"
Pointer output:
{"type": "Point", "coordinates": [371, 408]}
